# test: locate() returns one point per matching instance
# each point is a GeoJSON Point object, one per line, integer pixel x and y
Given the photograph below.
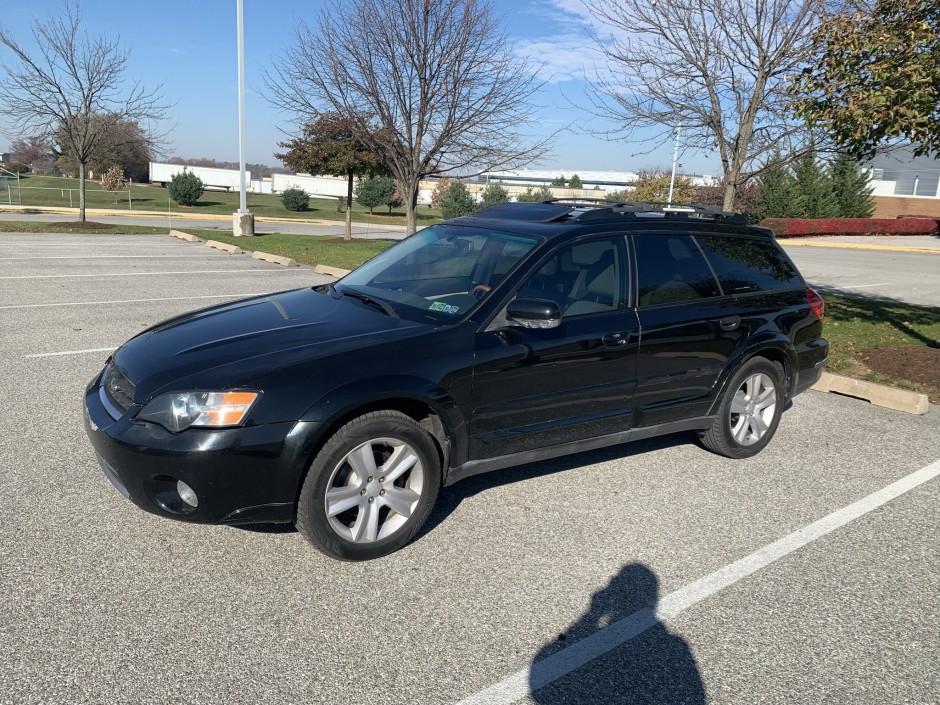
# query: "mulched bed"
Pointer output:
{"type": "Point", "coordinates": [913, 363]}
{"type": "Point", "coordinates": [88, 224]}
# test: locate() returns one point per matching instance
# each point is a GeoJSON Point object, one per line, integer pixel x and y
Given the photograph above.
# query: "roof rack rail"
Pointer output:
{"type": "Point", "coordinates": [664, 209]}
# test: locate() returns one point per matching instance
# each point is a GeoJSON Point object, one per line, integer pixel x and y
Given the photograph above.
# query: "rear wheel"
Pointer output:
{"type": "Point", "coordinates": [370, 488]}
{"type": "Point", "coordinates": [750, 411]}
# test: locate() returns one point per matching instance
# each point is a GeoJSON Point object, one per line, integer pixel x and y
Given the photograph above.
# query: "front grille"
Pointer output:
{"type": "Point", "coordinates": [118, 388]}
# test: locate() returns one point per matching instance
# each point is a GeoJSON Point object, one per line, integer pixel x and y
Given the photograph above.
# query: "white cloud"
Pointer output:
{"type": "Point", "coordinates": [569, 51]}
{"type": "Point", "coordinates": [564, 57]}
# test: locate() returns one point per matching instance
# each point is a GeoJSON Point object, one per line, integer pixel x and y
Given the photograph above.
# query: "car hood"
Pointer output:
{"type": "Point", "coordinates": [228, 345]}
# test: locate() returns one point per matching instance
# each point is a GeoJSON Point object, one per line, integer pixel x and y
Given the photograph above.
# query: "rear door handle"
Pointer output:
{"type": "Point", "coordinates": [730, 323]}
{"type": "Point", "coordinates": [613, 340]}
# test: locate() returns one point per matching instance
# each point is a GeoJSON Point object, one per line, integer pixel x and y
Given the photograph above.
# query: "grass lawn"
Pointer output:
{"type": "Point", "coordinates": [856, 324]}
{"type": "Point", "coordinates": [10, 226]}
{"type": "Point", "coordinates": [306, 249]}
{"type": "Point", "coordinates": [60, 191]}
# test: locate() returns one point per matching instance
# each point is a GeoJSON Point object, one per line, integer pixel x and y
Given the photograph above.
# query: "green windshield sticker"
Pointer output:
{"type": "Point", "coordinates": [444, 308]}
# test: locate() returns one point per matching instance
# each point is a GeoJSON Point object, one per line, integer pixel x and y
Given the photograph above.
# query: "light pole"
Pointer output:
{"type": "Point", "coordinates": [243, 222]}
{"type": "Point", "coordinates": [675, 159]}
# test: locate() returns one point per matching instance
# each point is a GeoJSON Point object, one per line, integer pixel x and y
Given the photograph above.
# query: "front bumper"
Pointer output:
{"type": "Point", "coordinates": [240, 475]}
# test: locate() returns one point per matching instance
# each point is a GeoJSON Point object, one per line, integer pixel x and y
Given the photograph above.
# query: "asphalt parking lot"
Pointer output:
{"type": "Point", "coordinates": [589, 567]}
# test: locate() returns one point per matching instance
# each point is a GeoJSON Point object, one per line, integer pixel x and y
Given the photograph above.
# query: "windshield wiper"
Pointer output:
{"type": "Point", "coordinates": [386, 308]}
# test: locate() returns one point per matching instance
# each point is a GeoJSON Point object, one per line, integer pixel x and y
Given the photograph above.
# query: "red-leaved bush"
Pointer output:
{"type": "Point", "coordinates": [808, 227]}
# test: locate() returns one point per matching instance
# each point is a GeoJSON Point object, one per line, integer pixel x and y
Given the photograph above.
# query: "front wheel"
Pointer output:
{"type": "Point", "coordinates": [749, 413]}
{"type": "Point", "coordinates": [370, 488]}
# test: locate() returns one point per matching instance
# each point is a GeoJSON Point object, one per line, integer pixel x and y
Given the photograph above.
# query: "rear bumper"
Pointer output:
{"type": "Point", "coordinates": [812, 358]}
{"type": "Point", "coordinates": [240, 475]}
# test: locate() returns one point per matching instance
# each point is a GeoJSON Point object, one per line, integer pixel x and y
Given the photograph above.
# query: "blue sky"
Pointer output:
{"type": "Point", "coordinates": [190, 47]}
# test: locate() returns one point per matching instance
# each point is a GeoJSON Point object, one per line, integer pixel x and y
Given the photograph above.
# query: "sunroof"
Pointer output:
{"type": "Point", "coordinates": [531, 212]}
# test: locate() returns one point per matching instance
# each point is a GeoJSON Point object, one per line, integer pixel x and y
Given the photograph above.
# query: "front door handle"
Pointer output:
{"type": "Point", "coordinates": [730, 323]}
{"type": "Point", "coordinates": [613, 340]}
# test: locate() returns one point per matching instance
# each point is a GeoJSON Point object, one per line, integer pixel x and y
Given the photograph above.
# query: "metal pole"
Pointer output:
{"type": "Point", "coordinates": [241, 108]}
{"type": "Point", "coordinates": [675, 159]}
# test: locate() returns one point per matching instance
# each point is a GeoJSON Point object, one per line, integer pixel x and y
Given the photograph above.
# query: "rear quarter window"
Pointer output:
{"type": "Point", "coordinates": [743, 265]}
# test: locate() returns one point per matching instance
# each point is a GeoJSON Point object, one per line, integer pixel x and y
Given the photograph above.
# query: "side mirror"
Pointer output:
{"type": "Point", "coordinates": [534, 313]}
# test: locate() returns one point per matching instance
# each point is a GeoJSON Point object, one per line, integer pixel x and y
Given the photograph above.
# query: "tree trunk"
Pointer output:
{"type": "Point", "coordinates": [411, 207]}
{"type": "Point", "coordinates": [731, 184]}
{"type": "Point", "coordinates": [81, 192]}
{"type": "Point", "coordinates": [730, 189]}
{"type": "Point", "coordinates": [347, 234]}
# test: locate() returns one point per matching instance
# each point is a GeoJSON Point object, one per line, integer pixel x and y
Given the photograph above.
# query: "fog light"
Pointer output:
{"type": "Point", "coordinates": [186, 494]}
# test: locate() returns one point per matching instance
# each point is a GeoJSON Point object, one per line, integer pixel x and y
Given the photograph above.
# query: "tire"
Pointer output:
{"type": "Point", "coordinates": [749, 412]}
{"type": "Point", "coordinates": [370, 488]}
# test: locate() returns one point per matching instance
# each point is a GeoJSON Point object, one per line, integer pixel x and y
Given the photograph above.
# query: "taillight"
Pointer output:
{"type": "Point", "coordinates": [816, 302]}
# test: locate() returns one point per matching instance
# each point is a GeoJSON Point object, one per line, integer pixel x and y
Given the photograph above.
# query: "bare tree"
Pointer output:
{"type": "Point", "coordinates": [719, 68]}
{"type": "Point", "coordinates": [433, 85]}
{"type": "Point", "coordinates": [123, 144]}
{"type": "Point", "coordinates": [36, 151]}
{"type": "Point", "coordinates": [72, 88]}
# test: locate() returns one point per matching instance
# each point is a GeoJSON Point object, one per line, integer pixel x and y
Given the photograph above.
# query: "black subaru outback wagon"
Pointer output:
{"type": "Point", "coordinates": [524, 332]}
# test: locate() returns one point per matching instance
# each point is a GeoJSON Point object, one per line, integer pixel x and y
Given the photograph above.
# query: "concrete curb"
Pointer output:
{"type": "Point", "coordinates": [224, 246]}
{"type": "Point", "coordinates": [184, 236]}
{"type": "Point", "coordinates": [276, 259]}
{"type": "Point", "coordinates": [877, 394]}
{"type": "Point", "coordinates": [331, 271]}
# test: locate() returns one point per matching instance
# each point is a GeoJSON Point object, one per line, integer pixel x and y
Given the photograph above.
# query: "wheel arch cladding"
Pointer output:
{"type": "Point", "coordinates": [428, 405]}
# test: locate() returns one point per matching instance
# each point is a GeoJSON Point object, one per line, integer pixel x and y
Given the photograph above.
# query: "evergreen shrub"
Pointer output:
{"type": "Point", "coordinates": [295, 199]}
{"type": "Point", "coordinates": [186, 188]}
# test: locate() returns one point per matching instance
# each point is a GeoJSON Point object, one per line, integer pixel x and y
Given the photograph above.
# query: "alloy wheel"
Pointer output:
{"type": "Point", "coordinates": [374, 490]}
{"type": "Point", "coordinates": [752, 409]}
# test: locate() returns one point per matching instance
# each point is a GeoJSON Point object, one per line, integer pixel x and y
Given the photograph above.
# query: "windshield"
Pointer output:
{"type": "Point", "coordinates": [440, 273]}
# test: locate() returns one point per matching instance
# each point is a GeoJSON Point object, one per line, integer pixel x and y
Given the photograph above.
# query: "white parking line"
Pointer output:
{"type": "Point", "coordinates": [151, 274]}
{"type": "Point", "coordinates": [132, 301]}
{"type": "Point", "coordinates": [72, 352]}
{"type": "Point", "coordinates": [851, 286]}
{"type": "Point", "coordinates": [141, 256]}
{"type": "Point", "coordinates": [523, 682]}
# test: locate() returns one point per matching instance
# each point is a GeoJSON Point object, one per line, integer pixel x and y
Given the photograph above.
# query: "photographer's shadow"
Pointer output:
{"type": "Point", "coordinates": [647, 665]}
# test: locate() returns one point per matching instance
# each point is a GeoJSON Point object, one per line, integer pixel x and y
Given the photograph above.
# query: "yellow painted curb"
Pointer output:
{"type": "Point", "coordinates": [877, 394]}
{"type": "Point", "coordinates": [276, 259]}
{"type": "Point", "coordinates": [850, 246]}
{"type": "Point", "coordinates": [224, 246]}
{"type": "Point", "coordinates": [188, 216]}
{"type": "Point", "coordinates": [297, 221]}
{"type": "Point", "coordinates": [331, 271]}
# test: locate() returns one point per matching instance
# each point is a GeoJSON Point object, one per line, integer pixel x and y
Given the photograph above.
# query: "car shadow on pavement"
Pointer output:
{"type": "Point", "coordinates": [646, 665]}
{"type": "Point", "coordinates": [451, 497]}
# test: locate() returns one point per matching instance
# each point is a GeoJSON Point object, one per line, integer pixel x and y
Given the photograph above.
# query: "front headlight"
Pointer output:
{"type": "Point", "coordinates": [178, 411]}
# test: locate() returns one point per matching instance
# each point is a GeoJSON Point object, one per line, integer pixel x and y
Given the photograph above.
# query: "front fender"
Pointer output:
{"type": "Point", "coordinates": [343, 401]}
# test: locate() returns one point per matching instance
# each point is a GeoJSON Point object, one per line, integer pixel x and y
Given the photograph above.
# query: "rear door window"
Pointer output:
{"type": "Point", "coordinates": [671, 269]}
{"type": "Point", "coordinates": [743, 265]}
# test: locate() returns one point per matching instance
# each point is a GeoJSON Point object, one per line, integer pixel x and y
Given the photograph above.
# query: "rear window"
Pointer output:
{"type": "Point", "coordinates": [744, 265]}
